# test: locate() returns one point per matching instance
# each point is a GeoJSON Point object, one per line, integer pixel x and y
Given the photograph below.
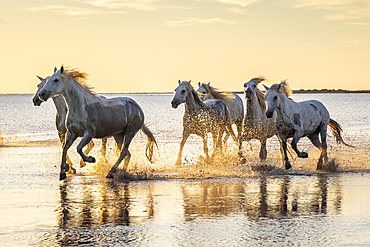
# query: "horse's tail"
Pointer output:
{"type": "Point", "coordinates": [228, 126]}
{"type": "Point", "coordinates": [337, 129]}
{"type": "Point", "coordinates": [150, 145]}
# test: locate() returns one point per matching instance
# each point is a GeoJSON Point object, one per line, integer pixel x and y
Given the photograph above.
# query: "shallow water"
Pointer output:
{"type": "Point", "coordinates": [218, 204]}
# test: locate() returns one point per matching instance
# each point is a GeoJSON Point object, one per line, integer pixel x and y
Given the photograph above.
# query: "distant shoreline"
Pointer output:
{"type": "Point", "coordinates": [299, 91]}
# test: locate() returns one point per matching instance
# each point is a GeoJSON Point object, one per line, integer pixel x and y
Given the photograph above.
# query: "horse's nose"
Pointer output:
{"type": "Point", "coordinates": [36, 101]}
{"type": "Point", "coordinates": [269, 114]}
{"type": "Point", "coordinates": [174, 104]}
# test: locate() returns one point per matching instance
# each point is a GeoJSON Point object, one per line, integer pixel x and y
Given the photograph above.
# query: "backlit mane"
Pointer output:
{"type": "Point", "coordinates": [282, 87]}
{"type": "Point", "coordinates": [224, 96]}
{"type": "Point", "coordinates": [80, 77]}
{"type": "Point", "coordinates": [190, 89]}
{"type": "Point", "coordinates": [261, 99]}
{"type": "Point", "coordinates": [258, 79]}
{"type": "Point", "coordinates": [259, 94]}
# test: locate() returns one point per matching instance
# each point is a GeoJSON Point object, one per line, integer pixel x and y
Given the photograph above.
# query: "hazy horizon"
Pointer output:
{"type": "Point", "coordinates": [148, 45]}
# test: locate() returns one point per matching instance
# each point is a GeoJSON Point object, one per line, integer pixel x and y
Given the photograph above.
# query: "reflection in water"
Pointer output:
{"type": "Point", "coordinates": [96, 211]}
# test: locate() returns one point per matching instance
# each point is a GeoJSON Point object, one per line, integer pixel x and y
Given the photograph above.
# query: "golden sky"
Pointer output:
{"type": "Point", "coordinates": [148, 45]}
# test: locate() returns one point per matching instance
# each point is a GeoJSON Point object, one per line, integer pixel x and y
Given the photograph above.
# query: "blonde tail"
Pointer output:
{"type": "Point", "coordinates": [150, 145]}
{"type": "Point", "coordinates": [337, 129]}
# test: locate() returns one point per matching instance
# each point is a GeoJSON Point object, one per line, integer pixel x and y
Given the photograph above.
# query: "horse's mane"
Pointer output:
{"type": "Point", "coordinates": [258, 79]}
{"type": "Point", "coordinates": [217, 94]}
{"type": "Point", "coordinates": [190, 88]}
{"type": "Point", "coordinates": [260, 96]}
{"type": "Point", "coordinates": [80, 77]}
{"type": "Point", "coordinates": [282, 87]}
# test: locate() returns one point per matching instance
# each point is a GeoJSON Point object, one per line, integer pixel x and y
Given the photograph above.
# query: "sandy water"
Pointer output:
{"type": "Point", "coordinates": [219, 204]}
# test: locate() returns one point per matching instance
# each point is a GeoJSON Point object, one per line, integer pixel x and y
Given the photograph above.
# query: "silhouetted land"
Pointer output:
{"type": "Point", "coordinates": [301, 91]}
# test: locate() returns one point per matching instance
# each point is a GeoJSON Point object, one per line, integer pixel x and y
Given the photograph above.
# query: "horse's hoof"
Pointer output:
{"type": "Point", "coordinates": [110, 175]}
{"type": "Point", "coordinates": [288, 166]}
{"type": "Point", "coordinates": [90, 159]}
{"type": "Point", "coordinates": [66, 167]}
{"type": "Point", "coordinates": [72, 170]}
{"type": "Point", "coordinates": [82, 164]}
{"type": "Point", "coordinates": [62, 176]}
{"type": "Point", "coordinates": [243, 160]}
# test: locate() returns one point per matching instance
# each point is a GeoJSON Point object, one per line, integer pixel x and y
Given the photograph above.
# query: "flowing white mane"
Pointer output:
{"type": "Point", "coordinates": [80, 77]}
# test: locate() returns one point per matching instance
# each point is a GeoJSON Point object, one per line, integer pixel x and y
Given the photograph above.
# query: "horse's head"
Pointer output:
{"type": "Point", "coordinates": [273, 101]}
{"type": "Point", "coordinates": [202, 88]}
{"type": "Point", "coordinates": [181, 93]}
{"type": "Point", "coordinates": [53, 86]}
{"type": "Point", "coordinates": [249, 89]}
{"type": "Point", "coordinates": [36, 100]}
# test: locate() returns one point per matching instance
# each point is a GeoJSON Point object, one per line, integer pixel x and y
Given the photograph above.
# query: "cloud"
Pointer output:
{"type": "Point", "coordinates": [196, 22]}
{"type": "Point", "coordinates": [324, 4]}
{"type": "Point", "coordinates": [240, 3]}
{"type": "Point", "coordinates": [131, 4]}
{"type": "Point", "coordinates": [73, 11]}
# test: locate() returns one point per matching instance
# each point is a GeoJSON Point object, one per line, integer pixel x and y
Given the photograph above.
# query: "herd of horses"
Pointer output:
{"type": "Point", "coordinates": [83, 113]}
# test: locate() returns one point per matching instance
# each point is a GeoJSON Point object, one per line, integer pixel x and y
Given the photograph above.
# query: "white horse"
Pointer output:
{"type": "Point", "coordinates": [90, 116]}
{"type": "Point", "coordinates": [256, 125]}
{"type": "Point", "coordinates": [233, 101]}
{"type": "Point", "coordinates": [60, 120]}
{"type": "Point", "coordinates": [201, 118]}
{"type": "Point", "coordinates": [300, 119]}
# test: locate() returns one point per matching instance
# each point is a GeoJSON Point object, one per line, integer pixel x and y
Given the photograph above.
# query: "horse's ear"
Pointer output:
{"type": "Point", "coordinates": [179, 82]}
{"type": "Point", "coordinates": [266, 87]}
{"type": "Point", "coordinates": [40, 78]}
{"type": "Point", "coordinates": [209, 83]}
{"type": "Point", "coordinates": [55, 70]}
{"type": "Point", "coordinates": [198, 84]}
{"type": "Point", "coordinates": [62, 69]}
{"type": "Point", "coordinates": [189, 81]}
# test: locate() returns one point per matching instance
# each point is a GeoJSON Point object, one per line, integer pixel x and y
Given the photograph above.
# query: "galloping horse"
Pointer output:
{"type": "Point", "coordinates": [256, 125]}
{"type": "Point", "coordinates": [233, 101]}
{"type": "Point", "coordinates": [90, 116]}
{"type": "Point", "coordinates": [201, 118]}
{"type": "Point", "coordinates": [299, 119]}
{"type": "Point", "coordinates": [60, 120]}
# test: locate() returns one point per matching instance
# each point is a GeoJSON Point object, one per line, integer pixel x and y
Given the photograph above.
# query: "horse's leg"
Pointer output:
{"type": "Point", "coordinates": [119, 143]}
{"type": "Point", "coordinates": [241, 138]}
{"type": "Point", "coordinates": [295, 140]}
{"type": "Point", "coordinates": [205, 146]}
{"type": "Point", "coordinates": [84, 141]}
{"type": "Point", "coordinates": [185, 136]}
{"type": "Point", "coordinates": [263, 151]}
{"type": "Point", "coordinates": [324, 154]}
{"type": "Point", "coordinates": [314, 138]}
{"type": "Point", "coordinates": [90, 146]}
{"type": "Point", "coordinates": [220, 133]}
{"type": "Point", "coordinates": [103, 150]}
{"type": "Point", "coordinates": [283, 141]}
{"type": "Point", "coordinates": [225, 139]}
{"type": "Point", "coordinates": [69, 165]}
{"type": "Point", "coordinates": [69, 141]}
{"type": "Point", "coordinates": [125, 154]}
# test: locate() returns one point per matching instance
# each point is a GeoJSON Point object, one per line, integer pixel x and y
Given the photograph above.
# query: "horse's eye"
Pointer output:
{"type": "Point", "coordinates": [275, 98]}
{"type": "Point", "coordinates": [182, 91]}
{"type": "Point", "coordinates": [55, 80]}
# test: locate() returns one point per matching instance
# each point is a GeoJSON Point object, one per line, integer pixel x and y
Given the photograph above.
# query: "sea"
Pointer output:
{"type": "Point", "coordinates": [216, 203]}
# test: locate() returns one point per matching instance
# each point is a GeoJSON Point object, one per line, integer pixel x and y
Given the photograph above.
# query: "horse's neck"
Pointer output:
{"type": "Point", "coordinates": [60, 104]}
{"type": "Point", "coordinates": [254, 109]}
{"type": "Point", "coordinates": [78, 99]}
{"type": "Point", "coordinates": [191, 106]}
{"type": "Point", "coordinates": [286, 107]}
